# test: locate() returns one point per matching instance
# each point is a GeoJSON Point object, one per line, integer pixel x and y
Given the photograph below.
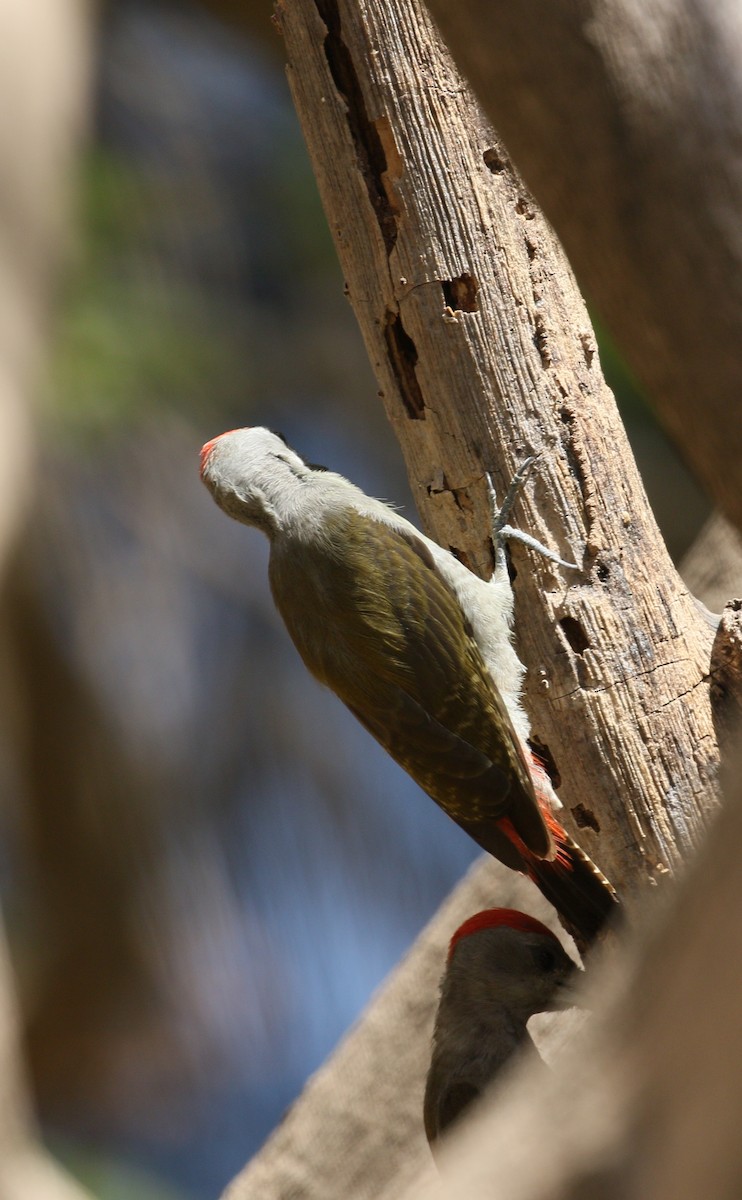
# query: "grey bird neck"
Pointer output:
{"type": "Point", "coordinates": [476, 1035]}
{"type": "Point", "coordinates": [471, 1008]}
{"type": "Point", "coordinates": [280, 495]}
{"type": "Point", "coordinates": [295, 501]}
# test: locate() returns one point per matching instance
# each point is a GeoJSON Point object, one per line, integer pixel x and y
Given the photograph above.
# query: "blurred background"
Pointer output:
{"type": "Point", "coordinates": [206, 865]}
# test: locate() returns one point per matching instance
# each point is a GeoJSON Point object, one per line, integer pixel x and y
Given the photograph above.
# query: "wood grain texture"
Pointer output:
{"type": "Point", "coordinates": [624, 118]}
{"type": "Point", "coordinates": [484, 353]}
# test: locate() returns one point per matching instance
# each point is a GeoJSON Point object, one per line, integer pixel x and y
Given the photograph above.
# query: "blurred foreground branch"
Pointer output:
{"type": "Point", "coordinates": [45, 52]}
{"type": "Point", "coordinates": [26, 1171]}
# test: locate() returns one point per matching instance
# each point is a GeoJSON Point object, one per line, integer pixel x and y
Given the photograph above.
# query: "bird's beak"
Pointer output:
{"type": "Point", "coordinates": [569, 992]}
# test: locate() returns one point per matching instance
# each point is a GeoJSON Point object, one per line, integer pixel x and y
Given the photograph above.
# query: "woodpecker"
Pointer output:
{"type": "Point", "coordinates": [419, 649]}
{"type": "Point", "coordinates": [503, 966]}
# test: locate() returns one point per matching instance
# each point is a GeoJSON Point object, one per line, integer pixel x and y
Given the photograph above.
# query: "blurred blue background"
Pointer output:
{"type": "Point", "coordinates": [210, 866]}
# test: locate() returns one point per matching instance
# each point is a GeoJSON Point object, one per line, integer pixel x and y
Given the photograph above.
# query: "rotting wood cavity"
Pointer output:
{"type": "Point", "coordinates": [494, 161]}
{"type": "Point", "coordinates": [403, 358]}
{"type": "Point", "coordinates": [541, 340]}
{"type": "Point", "coordinates": [460, 294]}
{"type": "Point", "coordinates": [585, 818]}
{"type": "Point", "coordinates": [588, 349]}
{"type": "Point", "coordinates": [463, 500]}
{"type": "Point", "coordinates": [567, 417]}
{"type": "Point", "coordinates": [439, 486]}
{"type": "Point", "coordinates": [368, 144]}
{"type": "Point", "coordinates": [575, 635]}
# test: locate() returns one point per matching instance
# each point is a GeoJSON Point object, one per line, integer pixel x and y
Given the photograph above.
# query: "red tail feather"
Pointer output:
{"type": "Point", "coordinates": [582, 896]}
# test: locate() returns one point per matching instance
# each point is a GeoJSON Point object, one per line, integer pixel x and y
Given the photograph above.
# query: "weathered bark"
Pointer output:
{"type": "Point", "coordinates": [484, 353]}
{"type": "Point", "coordinates": [624, 119]}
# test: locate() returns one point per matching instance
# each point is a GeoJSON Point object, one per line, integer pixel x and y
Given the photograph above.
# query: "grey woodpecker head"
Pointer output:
{"type": "Point", "coordinates": [417, 646]}
{"type": "Point", "coordinates": [503, 966]}
{"type": "Point", "coordinates": [254, 476]}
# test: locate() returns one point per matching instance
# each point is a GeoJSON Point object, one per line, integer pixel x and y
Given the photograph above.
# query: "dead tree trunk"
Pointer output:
{"type": "Point", "coordinates": [484, 353]}
{"type": "Point", "coordinates": [624, 119]}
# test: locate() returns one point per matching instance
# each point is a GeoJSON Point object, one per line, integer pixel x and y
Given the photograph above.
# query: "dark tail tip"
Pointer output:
{"type": "Point", "coordinates": [578, 890]}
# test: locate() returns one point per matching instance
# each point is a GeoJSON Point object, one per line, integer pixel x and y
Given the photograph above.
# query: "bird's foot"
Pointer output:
{"type": "Point", "coordinates": [502, 533]}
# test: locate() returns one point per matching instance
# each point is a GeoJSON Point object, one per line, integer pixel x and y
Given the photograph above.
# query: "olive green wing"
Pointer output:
{"type": "Point", "coordinates": [396, 647]}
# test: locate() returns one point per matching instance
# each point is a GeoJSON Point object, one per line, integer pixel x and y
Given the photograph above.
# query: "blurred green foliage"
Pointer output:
{"type": "Point", "coordinates": [129, 335]}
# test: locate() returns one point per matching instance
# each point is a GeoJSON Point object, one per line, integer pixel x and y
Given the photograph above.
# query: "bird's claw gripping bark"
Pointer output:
{"type": "Point", "coordinates": [502, 533]}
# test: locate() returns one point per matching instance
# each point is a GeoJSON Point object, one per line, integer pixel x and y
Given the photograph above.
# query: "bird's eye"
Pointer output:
{"type": "Point", "coordinates": [545, 958]}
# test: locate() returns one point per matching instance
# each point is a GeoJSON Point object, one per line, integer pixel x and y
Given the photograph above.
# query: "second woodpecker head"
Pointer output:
{"type": "Point", "coordinates": [514, 961]}
{"type": "Point", "coordinates": [503, 967]}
